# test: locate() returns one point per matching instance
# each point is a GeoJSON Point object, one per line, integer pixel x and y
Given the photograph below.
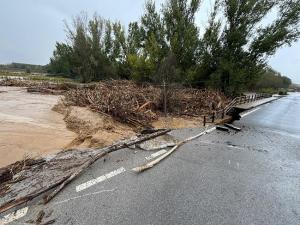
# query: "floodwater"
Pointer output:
{"type": "Point", "coordinates": [28, 126]}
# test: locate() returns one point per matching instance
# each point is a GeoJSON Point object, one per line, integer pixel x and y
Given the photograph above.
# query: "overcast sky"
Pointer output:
{"type": "Point", "coordinates": [30, 28]}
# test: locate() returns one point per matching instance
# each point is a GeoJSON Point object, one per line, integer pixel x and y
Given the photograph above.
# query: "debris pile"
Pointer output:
{"type": "Point", "coordinates": [124, 100]}
{"type": "Point", "coordinates": [196, 102]}
{"type": "Point", "coordinates": [43, 87]}
{"type": "Point", "coordinates": [140, 105]}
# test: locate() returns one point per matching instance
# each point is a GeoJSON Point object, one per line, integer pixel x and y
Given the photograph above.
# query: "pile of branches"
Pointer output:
{"type": "Point", "coordinates": [195, 102]}
{"type": "Point", "coordinates": [123, 100]}
{"type": "Point", "coordinates": [139, 105]}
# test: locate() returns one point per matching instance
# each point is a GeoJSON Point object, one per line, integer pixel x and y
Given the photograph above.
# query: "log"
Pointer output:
{"type": "Point", "coordinates": [5, 175]}
{"type": "Point", "coordinates": [232, 127]}
{"type": "Point", "coordinates": [99, 155]}
{"type": "Point", "coordinates": [11, 204]}
{"type": "Point", "coordinates": [69, 177]}
{"type": "Point", "coordinates": [149, 165]}
{"type": "Point", "coordinates": [40, 216]}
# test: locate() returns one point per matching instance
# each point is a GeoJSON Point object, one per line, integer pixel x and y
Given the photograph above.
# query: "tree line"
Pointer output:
{"type": "Point", "coordinates": [166, 44]}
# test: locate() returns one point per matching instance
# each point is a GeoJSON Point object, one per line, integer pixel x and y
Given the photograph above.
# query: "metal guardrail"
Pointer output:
{"type": "Point", "coordinates": [237, 101]}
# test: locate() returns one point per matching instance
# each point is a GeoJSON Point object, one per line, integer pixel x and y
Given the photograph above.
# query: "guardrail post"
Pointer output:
{"type": "Point", "coordinates": [223, 114]}
{"type": "Point", "coordinates": [213, 118]}
{"type": "Point", "coordinates": [204, 121]}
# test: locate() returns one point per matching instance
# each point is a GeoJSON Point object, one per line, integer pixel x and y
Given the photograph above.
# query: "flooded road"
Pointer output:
{"type": "Point", "coordinates": [28, 126]}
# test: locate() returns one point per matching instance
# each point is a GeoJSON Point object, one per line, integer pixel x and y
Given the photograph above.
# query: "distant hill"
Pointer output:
{"type": "Point", "coordinates": [23, 67]}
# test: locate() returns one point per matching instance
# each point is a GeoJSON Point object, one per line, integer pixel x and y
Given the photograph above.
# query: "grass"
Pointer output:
{"type": "Point", "coordinates": [36, 77]}
{"type": "Point", "coordinates": [280, 91]}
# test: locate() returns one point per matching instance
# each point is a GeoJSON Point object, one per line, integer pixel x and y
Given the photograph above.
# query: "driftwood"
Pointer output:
{"type": "Point", "coordinates": [27, 198]}
{"type": "Point", "coordinates": [62, 181]}
{"type": "Point", "coordinates": [100, 155]}
{"type": "Point", "coordinates": [45, 90]}
{"type": "Point", "coordinates": [138, 104]}
{"type": "Point", "coordinates": [5, 175]}
{"type": "Point", "coordinates": [49, 222]}
{"type": "Point", "coordinates": [159, 159]}
{"type": "Point", "coordinates": [232, 127]}
{"type": "Point", "coordinates": [222, 128]}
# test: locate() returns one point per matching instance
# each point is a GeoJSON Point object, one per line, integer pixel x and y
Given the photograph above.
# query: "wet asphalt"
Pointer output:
{"type": "Point", "coordinates": [250, 177]}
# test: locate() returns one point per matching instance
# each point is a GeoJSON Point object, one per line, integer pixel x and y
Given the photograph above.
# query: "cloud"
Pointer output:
{"type": "Point", "coordinates": [30, 28]}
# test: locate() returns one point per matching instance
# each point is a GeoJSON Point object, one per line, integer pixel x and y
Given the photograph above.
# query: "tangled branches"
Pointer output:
{"type": "Point", "coordinates": [141, 104]}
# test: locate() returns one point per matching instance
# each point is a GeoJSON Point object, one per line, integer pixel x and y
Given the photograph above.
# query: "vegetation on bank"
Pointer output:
{"type": "Point", "coordinates": [23, 67]}
{"type": "Point", "coordinates": [166, 45]}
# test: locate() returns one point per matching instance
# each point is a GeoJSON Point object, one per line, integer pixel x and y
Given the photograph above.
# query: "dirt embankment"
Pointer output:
{"type": "Point", "coordinates": [33, 125]}
{"type": "Point", "coordinates": [93, 130]}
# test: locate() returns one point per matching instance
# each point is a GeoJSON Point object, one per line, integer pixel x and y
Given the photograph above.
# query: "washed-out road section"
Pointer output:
{"type": "Point", "coordinates": [250, 177]}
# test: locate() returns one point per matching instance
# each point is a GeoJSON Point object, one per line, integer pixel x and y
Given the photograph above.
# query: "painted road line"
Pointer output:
{"type": "Point", "coordinates": [248, 113]}
{"type": "Point", "coordinates": [211, 130]}
{"type": "Point", "coordinates": [82, 196]}
{"type": "Point", "coordinates": [100, 179]}
{"type": "Point", "coordinates": [156, 154]}
{"type": "Point", "coordinates": [13, 216]}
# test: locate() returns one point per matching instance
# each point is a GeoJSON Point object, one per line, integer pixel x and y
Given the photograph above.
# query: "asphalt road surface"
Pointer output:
{"type": "Point", "coordinates": [250, 177]}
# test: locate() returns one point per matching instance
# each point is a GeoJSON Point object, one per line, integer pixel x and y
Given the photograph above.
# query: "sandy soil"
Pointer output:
{"type": "Point", "coordinates": [28, 126]}
{"type": "Point", "coordinates": [94, 130]}
{"type": "Point", "coordinates": [177, 122]}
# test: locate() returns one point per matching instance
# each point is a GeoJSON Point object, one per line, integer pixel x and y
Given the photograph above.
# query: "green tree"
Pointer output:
{"type": "Point", "coordinates": [181, 32]}
{"type": "Point", "coordinates": [108, 42]}
{"type": "Point", "coordinates": [246, 43]}
{"type": "Point", "coordinates": [134, 38]}
{"type": "Point", "coordinates": [60, 62]}
{"type": "Point", "coordinates": [153, 34]}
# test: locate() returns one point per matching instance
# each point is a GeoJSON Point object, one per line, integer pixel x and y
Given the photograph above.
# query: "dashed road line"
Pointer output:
{"type": "Point", "coordinates": [156, 154]}
{"type": "Point", "coordinates": [13, 216]}
{"type": "Point", "coordinates": [248, 113]}
{"type": "Point", "coordinates": [102, 178]}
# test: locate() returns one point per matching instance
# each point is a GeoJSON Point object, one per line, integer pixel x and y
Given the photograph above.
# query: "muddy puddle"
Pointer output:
{"type": "Point", "coordinates": [28, 126]}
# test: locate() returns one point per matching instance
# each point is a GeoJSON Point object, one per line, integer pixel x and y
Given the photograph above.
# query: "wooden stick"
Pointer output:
{"type": "Point", "coordinates": [222, 128]}
{"type": "Point", "coordinates": [11, 204]}
{"type": "Point", "coordinates": [232, 127]}
{"type": "Point", "coordinates": [159, 159]}
{"type": "Point", "coordinates": [100, 155]}
{"type": "Point", "coordinates": [68, 178]}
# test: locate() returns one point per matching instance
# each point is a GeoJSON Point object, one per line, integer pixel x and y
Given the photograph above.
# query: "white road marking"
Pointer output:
{"type": "Point", "coordinates": [13, 216]}
{"type": "Point", "coordinates": [211, 130]}
{"type": "Point", "coordinates": [156, 154]}
{"type": "Point", "coordinates": [248, 113]}
{"type": "Point", "coordinates": [82, 196]}
{"type": "Point", "coordinates": [90, 183]}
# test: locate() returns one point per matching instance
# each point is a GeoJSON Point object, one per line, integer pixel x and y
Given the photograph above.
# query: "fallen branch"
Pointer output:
{"type": "Point", "coordinates": [232, 127]}
{"type": "Point", "coordinates": [67, 178]}
{"type": "Point", "coordinates": [11, 204]}
{"type": "Point", "coordinates": [101, 154]}
{"type": "Point", "coordinates": [159, 159]}
{"type": "Point", "coordinates": [221, 128]}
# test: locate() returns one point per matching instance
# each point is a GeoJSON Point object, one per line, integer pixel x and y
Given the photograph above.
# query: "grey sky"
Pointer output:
{"type": "Point", "coordinates": [30, 28]}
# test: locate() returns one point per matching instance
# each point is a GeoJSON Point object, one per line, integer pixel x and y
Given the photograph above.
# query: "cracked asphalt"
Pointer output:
{"type": "Point", "coordinates": [250, 177]}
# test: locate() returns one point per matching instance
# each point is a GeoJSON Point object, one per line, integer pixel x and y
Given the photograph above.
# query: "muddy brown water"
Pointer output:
{"type": "Point", "coordinates": [28, 126]}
